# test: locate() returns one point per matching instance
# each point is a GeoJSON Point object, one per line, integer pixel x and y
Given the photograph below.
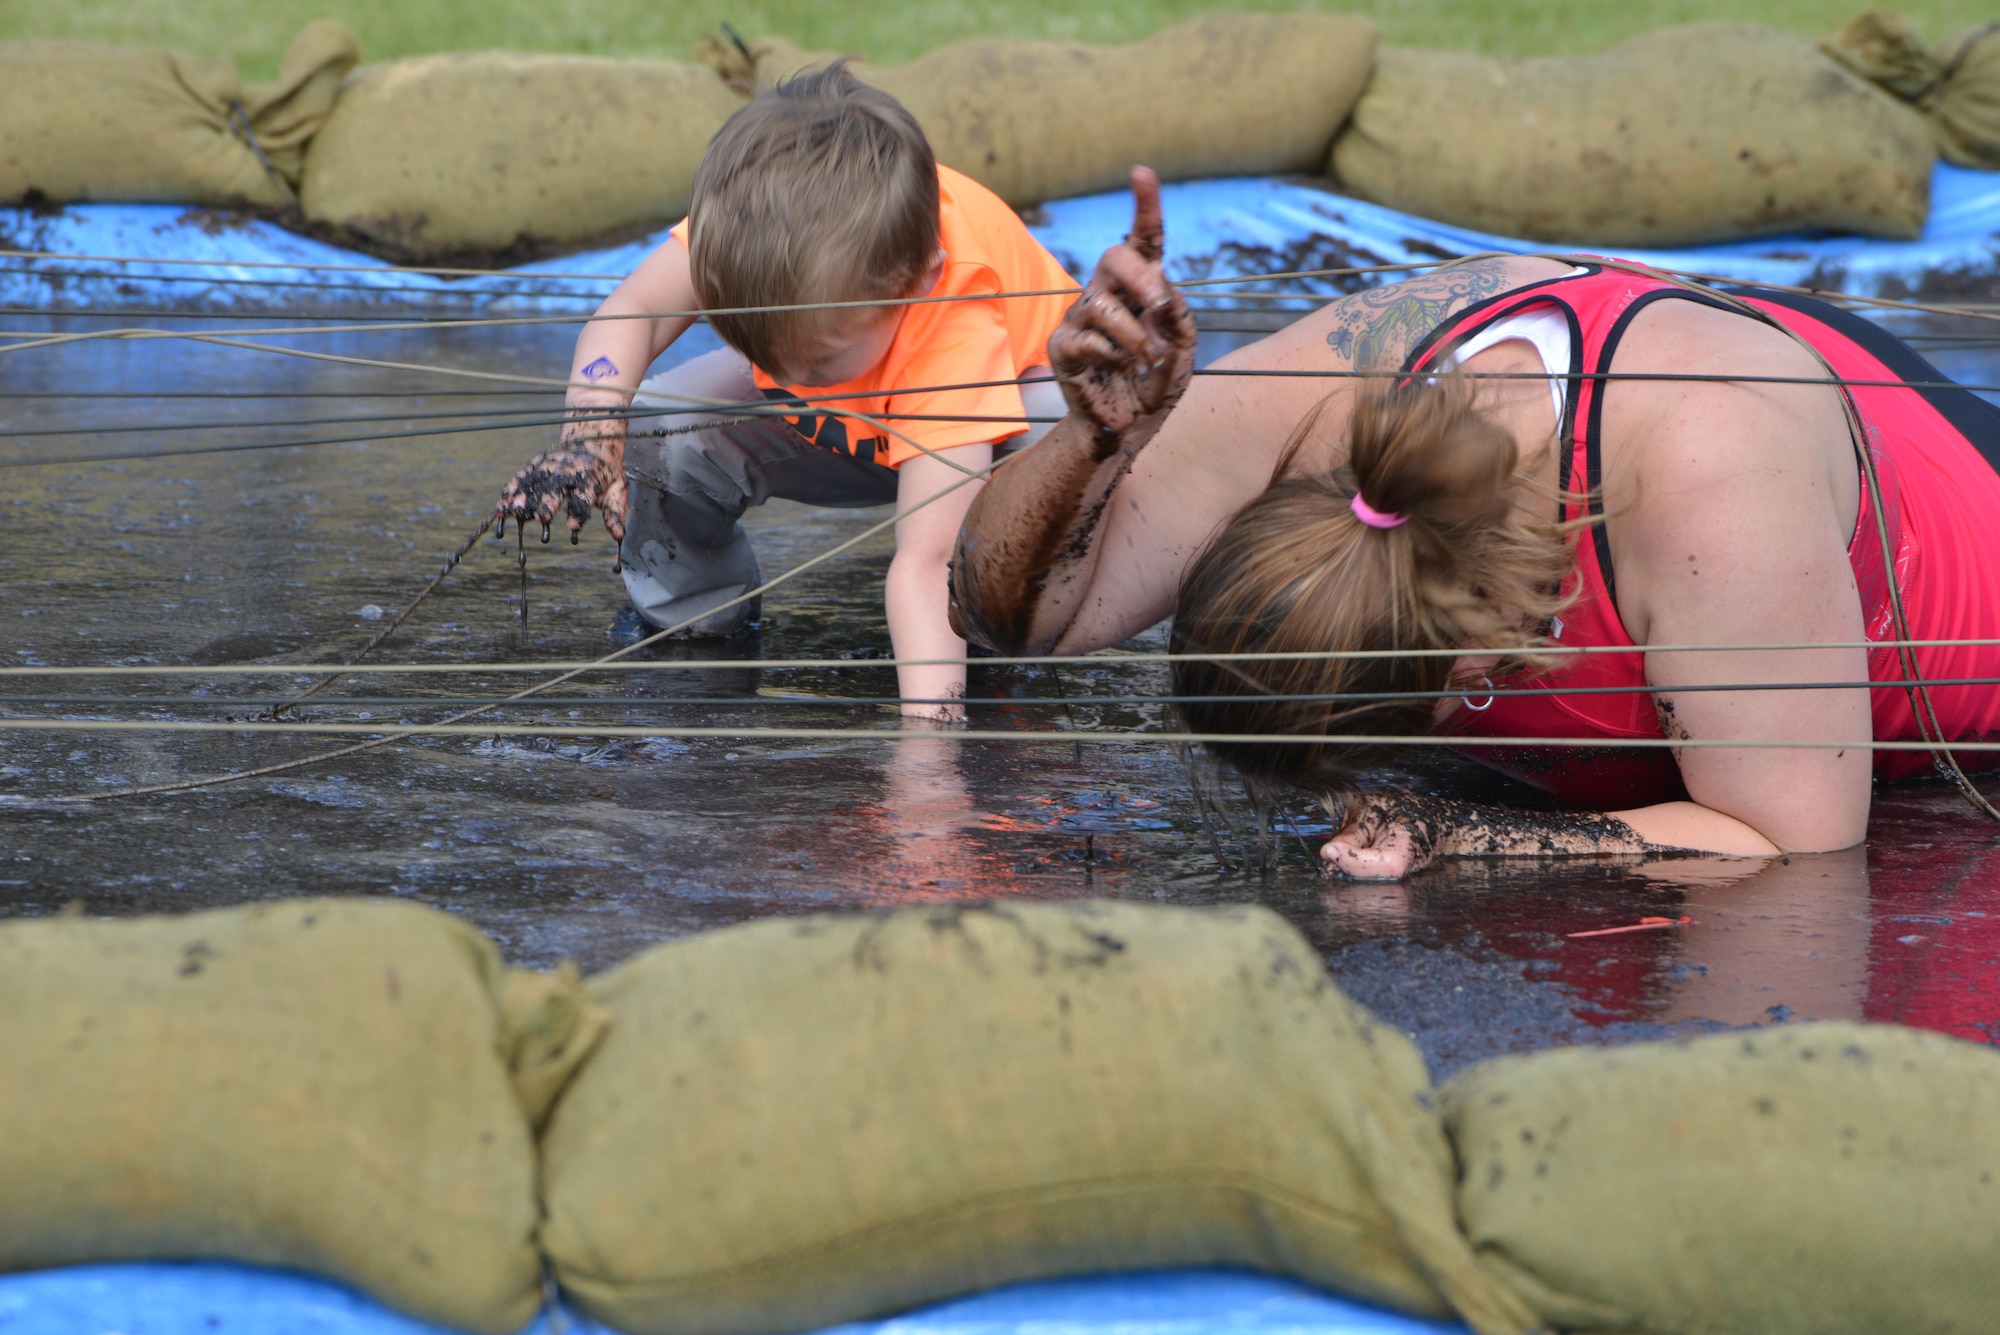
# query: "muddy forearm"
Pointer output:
{"type": "Point", "coordinates": [1029, 544]}
{"type": "Point", "coordinates": [1448, 827]}
{"type": "Point", "coordinates": [1499, 832]}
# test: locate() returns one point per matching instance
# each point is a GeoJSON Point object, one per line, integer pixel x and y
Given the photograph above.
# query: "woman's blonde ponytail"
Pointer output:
{"type": "Point", "coordinates": [1300, 570]}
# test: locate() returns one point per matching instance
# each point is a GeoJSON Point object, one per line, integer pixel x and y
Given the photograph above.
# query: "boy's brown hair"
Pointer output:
{"type": "Point", "coordinates": [822, 189]}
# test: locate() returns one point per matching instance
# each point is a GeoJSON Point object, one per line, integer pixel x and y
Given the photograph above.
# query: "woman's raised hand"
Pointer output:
{"type": "Point", "coordinates": [1126, 349]}
{"type": "Point", "coordinates": [586, 471]}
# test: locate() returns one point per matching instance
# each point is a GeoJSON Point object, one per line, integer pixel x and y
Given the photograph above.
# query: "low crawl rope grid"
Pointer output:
{"type": "Point", "coordinates": [534, 696]}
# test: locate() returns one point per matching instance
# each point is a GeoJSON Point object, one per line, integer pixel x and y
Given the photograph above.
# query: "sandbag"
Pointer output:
{"type": "Point", "coordinates": [1679, 137]}
{"type": "Point", "coordinates": [805, 1121]}
{"type": "Point", "coordinates": [1820, 1179]}
{"type": "Point", "coordinates": [309, 1084]}
{"type": "Point", "coordinates": [1957, 86]}
{"type": "Point", "coordinates": [81, 122]}
{"type": "Point", "coordinates": [1225, 95]}
{"type": "Point", "coordinates": [549, 1026]}
{"type": "Point", "coordinates": [491, 154]}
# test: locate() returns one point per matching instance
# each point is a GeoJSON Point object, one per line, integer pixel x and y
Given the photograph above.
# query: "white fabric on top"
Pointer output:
{"type": "Point", "coordinates": [1546, 329]}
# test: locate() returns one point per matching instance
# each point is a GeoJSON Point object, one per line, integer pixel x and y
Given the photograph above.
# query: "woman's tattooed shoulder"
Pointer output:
{"type": "Point", "coordinates": [1376, 329]}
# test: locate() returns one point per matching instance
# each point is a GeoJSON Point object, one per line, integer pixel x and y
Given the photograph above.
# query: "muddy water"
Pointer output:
{"type": "Point", "coordinates": [593, 848]}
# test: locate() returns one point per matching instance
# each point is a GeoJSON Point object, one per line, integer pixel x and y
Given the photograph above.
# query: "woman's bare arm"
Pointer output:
{"type": "Point", "coordinates": [1734, 531]}
{"type": "Point", "coordinates": [1395, 833]}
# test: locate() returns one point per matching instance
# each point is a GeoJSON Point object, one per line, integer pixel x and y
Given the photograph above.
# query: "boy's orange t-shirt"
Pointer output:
{"type": "Point", "coordinates": [988, 250]}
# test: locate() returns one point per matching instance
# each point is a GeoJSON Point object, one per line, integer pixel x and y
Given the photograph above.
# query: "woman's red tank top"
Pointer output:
{"type": "Point", "coordinates": [1936, 452]}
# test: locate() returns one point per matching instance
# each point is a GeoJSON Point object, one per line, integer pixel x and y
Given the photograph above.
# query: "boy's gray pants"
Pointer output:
{"type": "Point", "coordinates": [685, 551]}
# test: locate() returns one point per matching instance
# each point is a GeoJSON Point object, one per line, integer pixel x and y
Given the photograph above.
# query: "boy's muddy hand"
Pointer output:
{"type": "Point", "coordinates": [1126, 349]}
{"type": "Point", "coordinates": [586, 471]}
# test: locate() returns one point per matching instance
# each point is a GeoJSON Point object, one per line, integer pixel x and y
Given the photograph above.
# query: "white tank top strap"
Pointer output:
{"type": "Point", "coordinates": [1546, 329]}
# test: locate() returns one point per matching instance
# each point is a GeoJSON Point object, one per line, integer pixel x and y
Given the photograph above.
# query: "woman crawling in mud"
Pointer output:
{"type": "Point", "coordinates": [1557, 456]}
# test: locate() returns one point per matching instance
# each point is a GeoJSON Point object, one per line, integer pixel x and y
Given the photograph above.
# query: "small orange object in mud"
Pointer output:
{"type": "Point", "coordinates": [1643, 925]}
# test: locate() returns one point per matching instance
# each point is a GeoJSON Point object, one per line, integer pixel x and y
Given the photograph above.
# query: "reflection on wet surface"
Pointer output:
{"type": "Point", "coordinates": [593, 848]}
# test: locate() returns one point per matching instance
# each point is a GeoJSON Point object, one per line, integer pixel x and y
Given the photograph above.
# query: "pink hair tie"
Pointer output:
{"type": "Point", "coordinates": [1374, 518]}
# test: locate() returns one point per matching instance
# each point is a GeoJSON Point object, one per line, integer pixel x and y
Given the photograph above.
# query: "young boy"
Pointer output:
{"type": "Point", "coordinates": [821, 190]}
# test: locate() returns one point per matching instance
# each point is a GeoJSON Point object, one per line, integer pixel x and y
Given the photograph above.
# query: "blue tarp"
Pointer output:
{"type": "Point", "coordinates": [207, 1298]}
{"type": "Point", "coordinates": [160, 257]}
{"type": "Point", "coordinates": [1245, 226]}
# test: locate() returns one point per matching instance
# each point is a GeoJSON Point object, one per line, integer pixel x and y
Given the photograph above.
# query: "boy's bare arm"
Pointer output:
{"type": "Point", "coordinates": [612, 356]}
{"type": "Point", "coordinates": [916, 594]}
{"type": "Point", "coordinates": [1123, 355]}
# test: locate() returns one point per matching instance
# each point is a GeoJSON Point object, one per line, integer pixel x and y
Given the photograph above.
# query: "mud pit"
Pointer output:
{"type": "Point", "coordinates": [593, 848]}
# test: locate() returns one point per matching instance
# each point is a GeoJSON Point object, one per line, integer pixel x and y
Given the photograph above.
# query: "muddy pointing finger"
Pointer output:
{"type": "Point", "coordinates": [1149, 233]}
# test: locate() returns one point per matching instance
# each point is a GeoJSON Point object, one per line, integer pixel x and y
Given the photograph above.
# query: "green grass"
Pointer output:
{"type": "Point", "coordinates": [255, 31]}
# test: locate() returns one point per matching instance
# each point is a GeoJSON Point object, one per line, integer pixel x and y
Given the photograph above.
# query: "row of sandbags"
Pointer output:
{"type": "Point", "coordinates": [1682, 136]}
{"type": "Point", "coordinates": [1687, 135]}
{"type": "Point", "coordinates": [81, 122]}
{"type": "Point", "coordinates": [493, 153]}
{"type": "Point", "coordinates": [805, 1121]}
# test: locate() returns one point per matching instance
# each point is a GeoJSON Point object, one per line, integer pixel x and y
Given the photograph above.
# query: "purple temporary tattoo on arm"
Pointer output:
{"type": "Point", "coordinates": [601, 369]}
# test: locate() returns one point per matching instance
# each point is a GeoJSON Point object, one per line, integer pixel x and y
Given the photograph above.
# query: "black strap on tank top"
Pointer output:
{"type": "Point", "coordinates": [1593, 459]}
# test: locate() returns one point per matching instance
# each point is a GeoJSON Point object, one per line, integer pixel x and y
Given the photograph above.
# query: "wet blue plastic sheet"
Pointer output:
{"type": "Point", "coordinates": [160, 256]}
{"type": "Point", "coordinates": [1178, 1302]}
{"type": "Point", "coordinates": [187, 1298]}
{"type": "Point", "coordinates": [1246, 226]}
{"type": "Point", "coordinates": [166, 257]}
{"type": "Point", "coordinates": [197, 1298]}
